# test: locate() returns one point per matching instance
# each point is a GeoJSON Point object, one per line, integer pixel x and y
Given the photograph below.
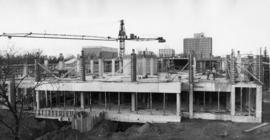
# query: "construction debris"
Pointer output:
{"type": "Point", "coordinates": [256, 127]}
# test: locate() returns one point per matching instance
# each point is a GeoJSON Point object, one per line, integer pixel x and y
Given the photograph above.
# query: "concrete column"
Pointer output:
{"type": "Point", "coordinates": [100, 67]}
{"type": "Point", "coordinates": [259, 102]}
{"type": "Point", "coordinates": [228, 105]}
{"type": "Point", "coordinates": [151, 103]}
{"type": "Point", "coordinates": [133, 64]}
{"type": "Point", "coordinates": [133, 100]}
{"type": "Point", "coordinates": [64, 96]}
{"type": "Point", "coordinates": [61, 64]}
{"type": "Point", "coordinates": [51, 99]}
{"type": "Point", "coordinates": [105, 100]}
{"type": "Point", "coordinates": [24, 91]}
{"type": "Point", "coordinates": [136, 102]}
{"type": "Point", "coordinates": [100, 98]}
{"type": "Point", "coordinates": [219, 100]}
{"type": "Point", "coordinates": [25, 69]}
{"type": "Point", "coordinates": [118, 100]}
{"type": "Point", "coordinates": [143, 98]}
{"type": "Point", "coordinates": [37, 100]}
{"type": "Point", "coordinates": [161, 65]}
{"type": "Point", "coordinates": [78, 66]}
{"type": "Point", "coordinates": [37, 71]}
{"type": "Point", "coordinates": [92, 66]}
{"type": "Point", "coordinates": [74, 99]}
{"type": "Point", "coordinates": [253, 97]}
{"type": "Point", "coordinates": [46, 63]}
{"type": "Point", "coordinates": [57, 98]}
{"type": "Point", "coordinates": [152, 66]}
{"type": "Point", "coordinates": [144, 67]}
{"type": "Point", "coordinates": [204, 99]}
{"type": "Point", "coordinates": [201, 67]}
{"type": "Point", "coordinates": [210, 98]}
{"type": "Point", "coordinates": [191, 101]}
{"type": "Point", "coordinates": [120, 66]}
{"type": "Point", "coordinates": [249, 96]}
{"type": "Point", "coordinates": [148, 101]}
{"type": "Point", "coordinates": [82, 67]}
{"type": "Point", "coordinates": [233, 100]}
{"type": "Point", "coordinates": [113, 66]}
{"type": "Point", "coordinates": [82, 100]}
{"type": "Point", "coordinates": [178, 104]}
{"type": "Point", "coordinates": [122, 98]}
{"type": "Point", "coordinates": [246, 97]}
{"type": "Point", "coordinates": [194, 66]}
{"type": "Point", "coordinates": [164, 104]}
{"type": "Point", "coordinates": [46, 98]}
{"type": "Point", "coordinates": [11, 92]}
{"type": "Point", "coordinates": [241, 99]}
{"type": "Point", "coordinates": [90, 101]}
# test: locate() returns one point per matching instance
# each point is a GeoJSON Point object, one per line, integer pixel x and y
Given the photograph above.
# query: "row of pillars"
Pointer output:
{"type": "Point", "coordinates": [81, 67]}
{"type": "Point", "coordinates": [49, 96]}
{"type": "Point", "coordinates": [258, 101]}
{"type": "Point", "coordinates": [258, 113]}
{"type": "Point", "coordinates": [134, 101]}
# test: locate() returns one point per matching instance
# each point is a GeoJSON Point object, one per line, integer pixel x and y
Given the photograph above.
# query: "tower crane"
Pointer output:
{"type": "Point", "coordinates": [122, 37]}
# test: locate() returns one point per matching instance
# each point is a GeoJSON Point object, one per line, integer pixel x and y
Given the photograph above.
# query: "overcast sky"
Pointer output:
{"type": "Point", "coordinates": [240, 24]}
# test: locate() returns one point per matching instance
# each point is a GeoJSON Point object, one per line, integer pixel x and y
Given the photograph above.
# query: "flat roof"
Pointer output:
{"type": "Point", "coordinates": [96, 86]}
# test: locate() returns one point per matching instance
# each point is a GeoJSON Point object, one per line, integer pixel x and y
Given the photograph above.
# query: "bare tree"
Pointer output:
{"type": "Point", "coordinates": [10, 98]}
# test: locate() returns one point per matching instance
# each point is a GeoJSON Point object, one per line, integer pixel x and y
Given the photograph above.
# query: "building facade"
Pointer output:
{"type": "Point", "coordinates": [200, 45]}
{"type": "Point", "coordinates": [95, 52]}
{"type": "Point", "coordinates": [166, 53]}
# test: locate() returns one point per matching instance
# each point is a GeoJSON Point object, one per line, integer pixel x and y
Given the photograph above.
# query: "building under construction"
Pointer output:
{"type": "Point", "coordinates": [143, 94]}
{"type": "Point", "coordinates": [142, 87]}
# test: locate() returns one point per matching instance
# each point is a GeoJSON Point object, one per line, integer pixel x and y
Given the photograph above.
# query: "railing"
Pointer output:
{"type": "Point", "coordinates": [62, 114]}
{"type": "Point", "coordinates": [56, 113]}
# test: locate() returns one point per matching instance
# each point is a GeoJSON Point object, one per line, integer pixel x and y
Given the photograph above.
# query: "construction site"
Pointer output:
{"type": "Point", "coordinates": [144, 87]}
{"type": "Point", "coordinates": [105, 83]}
{"type": "Point", "coordinates": [135, 70]}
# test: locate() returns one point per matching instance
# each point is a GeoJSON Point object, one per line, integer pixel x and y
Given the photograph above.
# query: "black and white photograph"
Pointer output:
{"type": "Point", "coordinates": [134, 69]}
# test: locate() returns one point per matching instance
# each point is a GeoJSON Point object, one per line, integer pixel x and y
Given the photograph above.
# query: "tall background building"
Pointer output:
{"type": "Point", "coordinates": [200, 45]}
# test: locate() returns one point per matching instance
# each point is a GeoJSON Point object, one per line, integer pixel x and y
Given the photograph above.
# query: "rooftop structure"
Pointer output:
{"type": "Point", "coordinates": [95, 52]}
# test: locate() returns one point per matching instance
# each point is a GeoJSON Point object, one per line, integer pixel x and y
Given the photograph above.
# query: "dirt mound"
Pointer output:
{"type": "Point", "coordinates": [103, 128]}
{"type": "Point", "coordinates": [216, 129]}
{"type": "Point", "coordinates": [65, 133]}
{"type": "Point", "coordinates": [147, 128]}
{"type": "Point", "coordinates": [133, 130]}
